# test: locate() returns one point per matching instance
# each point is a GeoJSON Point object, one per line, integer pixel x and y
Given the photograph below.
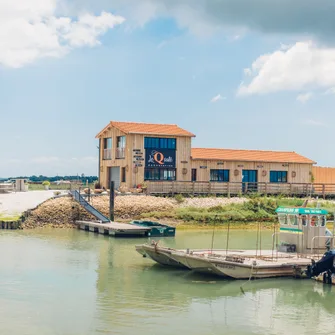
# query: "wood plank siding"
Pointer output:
{"type": "Point", "coordinates": [193, 165]}
{"type": "Point", "coordinates": [135, 176]}
{"type": "Point", "coordinates": [323, 175]}
{"type": "Point", "coordinates": [296, 173]}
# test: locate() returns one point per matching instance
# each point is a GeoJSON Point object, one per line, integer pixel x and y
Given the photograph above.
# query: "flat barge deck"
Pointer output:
{"type": "Point", "coordinates": [115, 229]}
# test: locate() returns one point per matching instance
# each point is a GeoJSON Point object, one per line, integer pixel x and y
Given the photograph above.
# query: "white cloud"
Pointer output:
{"type": "Point", "coordinates": [304, 97]}
{"type": "Point", "coordinates": [217, 98]}
{"type": "Point", "coordinates": [303, 65]}
{"type": "Point", "coordinates": [205, 16]}
{"type": "Point", "coordinates": [30, 30]}
{"type": "Point", "coordinates": [330, 91]}
{"type": "Point", "coordinates": [315, 123]}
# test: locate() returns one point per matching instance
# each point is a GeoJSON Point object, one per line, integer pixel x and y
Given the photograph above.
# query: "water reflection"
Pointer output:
{"type": "Point", "coordinates": [72, 282]}
{"type": "Point", "coordinates": [132, 290]}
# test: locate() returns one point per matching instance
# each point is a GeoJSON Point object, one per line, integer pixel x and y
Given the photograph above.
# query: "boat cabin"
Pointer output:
{"type": "Point", "coordinates": [303, 230]}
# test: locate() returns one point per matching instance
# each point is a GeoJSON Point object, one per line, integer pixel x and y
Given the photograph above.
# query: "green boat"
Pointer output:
{"type": "Point", "coordinates": [157, 229]}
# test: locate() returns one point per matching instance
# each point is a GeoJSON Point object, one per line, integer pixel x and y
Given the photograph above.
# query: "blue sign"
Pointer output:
{"type": "Point", "coordinates": [160, 158]}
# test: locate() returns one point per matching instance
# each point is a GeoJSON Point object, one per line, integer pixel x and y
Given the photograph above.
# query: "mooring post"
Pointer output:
{"type": "Point", "coordinates": [111, 201]}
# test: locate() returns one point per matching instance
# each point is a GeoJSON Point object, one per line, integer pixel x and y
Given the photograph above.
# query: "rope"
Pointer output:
{"type": "Point", "coordinates": [241, 287]}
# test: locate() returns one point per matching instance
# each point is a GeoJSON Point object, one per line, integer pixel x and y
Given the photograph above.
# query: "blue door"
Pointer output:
{"type": "Point", "coordinates": [249, 180]}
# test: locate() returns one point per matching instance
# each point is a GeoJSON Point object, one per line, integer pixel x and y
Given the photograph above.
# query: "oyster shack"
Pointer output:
{"type": "Point", "coordinates": [132, 153]}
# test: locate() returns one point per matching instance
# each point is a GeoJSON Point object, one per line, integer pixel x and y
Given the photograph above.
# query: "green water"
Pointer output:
{"type": "Point", "coordinates": [69, 282]}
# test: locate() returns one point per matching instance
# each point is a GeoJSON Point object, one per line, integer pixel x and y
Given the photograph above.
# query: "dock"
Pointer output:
{"type": "Point", "coordinates": [114, 229]}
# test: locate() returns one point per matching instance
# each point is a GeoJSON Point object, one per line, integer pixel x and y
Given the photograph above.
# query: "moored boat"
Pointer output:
{"type": "Point", "coordinates": [303, 234]}
{"type": "Point", "coordinates": [302, 231]}
{"type": "Point", "coordinates": [157, 229]}
{"type": "Point", "coordinates": [159, 255]}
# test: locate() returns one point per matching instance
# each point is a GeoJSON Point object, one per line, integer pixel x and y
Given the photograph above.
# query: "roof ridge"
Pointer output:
{"type": "Point", "coordinates": [164, 124]}
{"type": "Point", "coordinates": [261, 150]}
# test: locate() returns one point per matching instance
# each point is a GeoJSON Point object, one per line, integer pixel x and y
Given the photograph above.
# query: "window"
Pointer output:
{"type": "Point", "coordinates": [278, 176]}
{"type": "Point", "coordinates": [107, 149]}
{"type": "Point", "coordinates": [194, 174]}
{"type": "Point", "coordinates": [123, 175]}
{"type": "Point", "coordinates": [304, 220]}
{"type": "Point", "coordinates": [219, 175]}
{"type": "Point", "coordinates": [159, 143]}
{"type": "Point", "coordinates": [282, 219]}
{"type": "Point", "coordinates": [293, 220]}
{"type": "Point", "coordinates": [121, 141]}
{"type": "Point", "coordinates": [108, 143]}
{"type": "Point", "coordinates": [314, 221]}
{"type": "Point", "coordinates": [322, 220]}
{"type": "Point", "coordinates": [159, 174]}
{"type": "Point", "coordinates": [120, 151]}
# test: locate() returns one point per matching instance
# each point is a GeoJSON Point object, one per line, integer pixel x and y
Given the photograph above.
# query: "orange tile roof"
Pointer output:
{"type": "Point", "coordinates": [249, 156]}
{"type": "Point", "coordinates": [147, 128]}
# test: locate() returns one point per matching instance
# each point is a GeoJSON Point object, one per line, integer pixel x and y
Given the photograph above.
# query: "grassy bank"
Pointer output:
{"type": "Point", "coordinates": [240, 215]}
{"type": "Point", "coordinates": [9, 218]}
{"type": "Point", "coordinates": [190, 213]}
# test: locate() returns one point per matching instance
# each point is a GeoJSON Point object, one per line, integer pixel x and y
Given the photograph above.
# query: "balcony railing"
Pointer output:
{"type": "Point", "coordinates": [236, 188]}
{"type": "Point", "coordinates": [107, 154]}
{"type": "Point", "coordinates": [120, 153]}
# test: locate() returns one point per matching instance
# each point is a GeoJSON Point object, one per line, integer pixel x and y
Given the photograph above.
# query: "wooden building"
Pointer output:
{"type": "Point", "coordinates": [132, 153]}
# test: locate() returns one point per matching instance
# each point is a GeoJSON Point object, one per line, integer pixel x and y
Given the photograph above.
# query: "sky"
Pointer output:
{"type": "Point", "coordinates": [244, 74]}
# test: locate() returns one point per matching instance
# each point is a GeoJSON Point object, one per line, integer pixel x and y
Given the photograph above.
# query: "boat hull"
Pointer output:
{"type": "Point", "coordinates": [160, 256]}
{"type": "Point", "coordinates": [218, 266]}
{"type": "Point", "coordinates": [156, 229]}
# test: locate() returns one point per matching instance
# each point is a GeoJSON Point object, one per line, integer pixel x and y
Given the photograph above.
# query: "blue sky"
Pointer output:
{"type": "Point", "coordinates": [235, 80]}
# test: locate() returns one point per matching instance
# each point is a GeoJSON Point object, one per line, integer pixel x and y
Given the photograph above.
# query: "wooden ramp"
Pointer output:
{"type": "Point", "coordinates": [114, 229]}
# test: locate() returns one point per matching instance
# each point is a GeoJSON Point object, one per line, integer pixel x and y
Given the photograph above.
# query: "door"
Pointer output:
{"type": "Point", "coordinates": [249, 180]}
{"type": "Point", "coordinates": [194, 174]}
{"type": "Point", "coordinates": [115, 177]}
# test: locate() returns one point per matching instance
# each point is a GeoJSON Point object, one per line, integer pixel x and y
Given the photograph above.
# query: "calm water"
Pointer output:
{"type": "Point", "coordinates": [70, 282]}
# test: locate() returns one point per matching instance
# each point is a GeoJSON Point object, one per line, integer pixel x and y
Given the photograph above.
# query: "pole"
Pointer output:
{"type": "Point", "coordinates": [213, 237]}
{"type": "Point", "coordinates": [99, 166]}
{"type": "Point", "coordinates": [227, 244]}
{"type": "Point", "coordinates": [111, 201]}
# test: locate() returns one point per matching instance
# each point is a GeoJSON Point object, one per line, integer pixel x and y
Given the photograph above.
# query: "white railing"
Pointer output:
{"type": "Point", "coordinates": [6, 187]}
{"type": "Point", "coordinates": [107, 154]}
{"type": "Point", "coordinates": [120, 153]}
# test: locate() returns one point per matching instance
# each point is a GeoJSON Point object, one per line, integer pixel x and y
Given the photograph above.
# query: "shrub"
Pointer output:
{"type": "Point", "coordinates": [179, 198]}
{"type": "Point", "coordinates": [97, 185]}
{"type": "Point", "coordinates": [46, 183]}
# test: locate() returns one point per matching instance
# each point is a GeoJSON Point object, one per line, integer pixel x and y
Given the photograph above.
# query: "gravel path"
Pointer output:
{"type": "Point", "coordinates": [17, 203]}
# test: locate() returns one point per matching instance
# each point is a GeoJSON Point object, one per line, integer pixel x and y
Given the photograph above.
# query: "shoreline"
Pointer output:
{"type": "Point", "coordinates": [183, 213]}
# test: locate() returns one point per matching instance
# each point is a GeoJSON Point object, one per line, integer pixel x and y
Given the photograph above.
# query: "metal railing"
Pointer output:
{"type": "Point", "coordinates": [79, 198]}
{"type": "Point", "coordinates": [236, 188]}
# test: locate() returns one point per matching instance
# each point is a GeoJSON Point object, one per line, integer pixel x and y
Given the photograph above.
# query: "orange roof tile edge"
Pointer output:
{"type": "Point", "coordinates": [249, 155]}
{"type": "Point", "coordinates": [147, 128]}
